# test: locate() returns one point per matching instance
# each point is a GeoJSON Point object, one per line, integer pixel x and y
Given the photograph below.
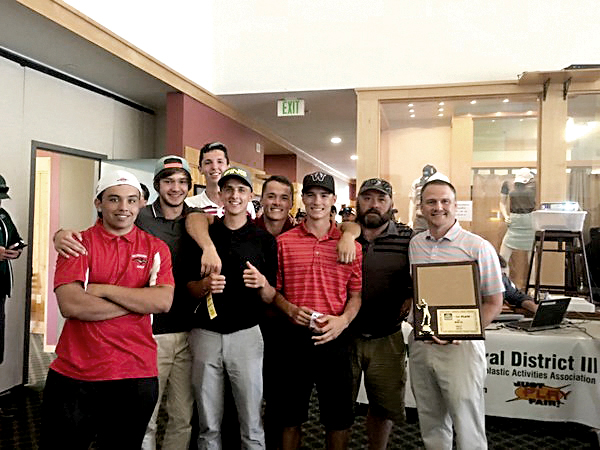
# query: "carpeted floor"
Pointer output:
{"type": "Point", "coordinates": [20, 412]}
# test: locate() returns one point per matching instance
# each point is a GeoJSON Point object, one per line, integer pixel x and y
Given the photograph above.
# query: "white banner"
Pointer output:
{"type": "Point", "coordinates": [547, 375]}
{"type": "Point", "coordinates": [550, 375]}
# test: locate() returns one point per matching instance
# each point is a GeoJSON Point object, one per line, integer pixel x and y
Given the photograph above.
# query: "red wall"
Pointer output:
{"type": "Point", "coordinates": [282, 165]}
{"type": "Point", "coordinates": [191, 123]}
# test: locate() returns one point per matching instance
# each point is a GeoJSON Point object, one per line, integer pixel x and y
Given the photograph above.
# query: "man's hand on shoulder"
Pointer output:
{"type": "Point", "coordinates": [68, 243]}
{"type": "Point", "coordinates": [346, 247]}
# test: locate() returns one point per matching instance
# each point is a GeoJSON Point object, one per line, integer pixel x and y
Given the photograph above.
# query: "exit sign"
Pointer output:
{"type": "Point", "coordinates": [290, 107]}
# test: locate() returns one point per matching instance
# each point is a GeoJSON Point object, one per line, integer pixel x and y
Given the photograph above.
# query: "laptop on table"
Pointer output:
{"type": "Point", "coordinates": [549, 314]}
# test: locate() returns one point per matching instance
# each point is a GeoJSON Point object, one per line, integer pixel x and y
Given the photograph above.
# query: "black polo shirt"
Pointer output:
{"type": "Point", "coordinates": [238, 307]}
{"type": "Point", "coordinates": [152, 220]}
{"type": "Point", "coordinates": [386, 281]}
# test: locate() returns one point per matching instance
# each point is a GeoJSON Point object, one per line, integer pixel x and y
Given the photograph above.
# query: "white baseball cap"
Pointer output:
{"type": "Point", "coordinates": [116, 178]}
{"type": "Point", "coordinates": [523, 175]}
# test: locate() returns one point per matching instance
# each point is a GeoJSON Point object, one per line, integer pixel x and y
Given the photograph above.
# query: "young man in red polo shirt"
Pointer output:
{"type": "Point", "coordinates": [103, 383]}
{"type": "Point", "coordinates": [321, 296]}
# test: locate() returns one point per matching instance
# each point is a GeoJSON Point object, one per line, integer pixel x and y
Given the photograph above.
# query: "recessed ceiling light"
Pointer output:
{"type": "Point", "coordinates": [441, 115]}
{"type": "Point", "coordinates": [493, 120]}
{"type": "Point", "coordinates": [473, 102]}
{"type": "Point", "coordinates": [505, 100]}
{"type": "Point", "coordinates": [410, 105]}
{"type": "Point", "coordinates": [440, 109]}
{"type": "Point", "coordinates": [520, 120]}
{"type": "Point", "coordinates": [411, 110]}
{"type": "Point", "coordinates": [336, 140]}
{"type": "Point", "coordinates": [441, 103]}
{"type": "Point", "coordinates": [529, 113]}
{"type": "Point", "coordinates": [412, 115]}
{"type": "Point", "coordinates": [498, 113]}
{"type": "Point", "coordinates": [353, 157]}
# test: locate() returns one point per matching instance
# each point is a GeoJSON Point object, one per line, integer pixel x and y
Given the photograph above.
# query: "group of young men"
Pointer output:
{"type": "Point", "coordinates": [319, 308]}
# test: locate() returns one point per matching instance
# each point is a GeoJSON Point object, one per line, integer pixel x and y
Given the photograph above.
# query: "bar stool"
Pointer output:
{"type": "Point", "coordinates": [577, 282]}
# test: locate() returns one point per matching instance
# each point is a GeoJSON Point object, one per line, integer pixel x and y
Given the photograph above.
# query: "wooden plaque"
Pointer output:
{"type": "Point", "coordinates": [447, 301]}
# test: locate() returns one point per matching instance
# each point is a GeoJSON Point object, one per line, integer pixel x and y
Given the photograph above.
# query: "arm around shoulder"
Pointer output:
{"type": "Point", "coordinates": [196, 224]}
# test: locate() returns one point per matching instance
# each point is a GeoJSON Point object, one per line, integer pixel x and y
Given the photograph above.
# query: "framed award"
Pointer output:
{"type": "Point", "coordinates": [447, 301]}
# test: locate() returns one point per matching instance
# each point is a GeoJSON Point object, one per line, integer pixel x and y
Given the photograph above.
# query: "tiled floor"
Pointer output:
{"type": "Point", "coordinates": [20, 423]}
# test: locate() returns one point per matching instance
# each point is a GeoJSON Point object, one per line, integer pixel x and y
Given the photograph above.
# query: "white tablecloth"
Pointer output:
{"type": "Point", "coordinates": [546, 375]}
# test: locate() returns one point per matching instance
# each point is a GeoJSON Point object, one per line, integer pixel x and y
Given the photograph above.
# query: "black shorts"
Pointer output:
{"type": "Point", "coordinates": [299, 365]}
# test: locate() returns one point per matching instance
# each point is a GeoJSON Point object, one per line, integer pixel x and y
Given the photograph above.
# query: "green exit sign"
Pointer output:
{"type": "Point", "coordinates": [290, 107]}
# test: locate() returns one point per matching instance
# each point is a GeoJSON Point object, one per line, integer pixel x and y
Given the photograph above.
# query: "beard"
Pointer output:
{"type": "Point", "coordinates": [372, 218]}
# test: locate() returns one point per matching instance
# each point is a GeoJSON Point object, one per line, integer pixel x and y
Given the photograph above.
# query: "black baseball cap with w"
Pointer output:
{"type": "Point", "coordinates": [318, 179]}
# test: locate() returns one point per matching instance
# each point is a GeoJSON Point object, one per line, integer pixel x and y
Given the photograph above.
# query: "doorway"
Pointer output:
{"type": "Point", "coordinates": [62, 197]}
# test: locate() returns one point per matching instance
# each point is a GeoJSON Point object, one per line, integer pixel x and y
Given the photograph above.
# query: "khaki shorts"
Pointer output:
{"type": "Point", "coordinates": [383, 362]}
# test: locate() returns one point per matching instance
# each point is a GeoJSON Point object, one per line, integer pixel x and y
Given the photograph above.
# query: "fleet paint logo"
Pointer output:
{"type": "Point", "coordinates": [540, 394]}
{"type": "Point", "coordinates": [140, 260]}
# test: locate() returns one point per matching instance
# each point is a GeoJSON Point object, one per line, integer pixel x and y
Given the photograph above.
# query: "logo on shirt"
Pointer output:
{"type": "Point", "coordinates": [141, 261]}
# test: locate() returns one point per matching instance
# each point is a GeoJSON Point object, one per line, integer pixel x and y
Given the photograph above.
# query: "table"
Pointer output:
{"type": "Point", "coordinates": [547, 375]}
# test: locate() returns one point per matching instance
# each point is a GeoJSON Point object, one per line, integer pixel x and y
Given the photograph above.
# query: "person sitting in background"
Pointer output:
{"type": "Point", "coordinates": [513, 296]}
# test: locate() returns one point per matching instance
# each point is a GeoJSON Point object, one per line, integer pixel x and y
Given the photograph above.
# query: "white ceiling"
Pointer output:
{"type": "Point", "coordinates": [327, 114]}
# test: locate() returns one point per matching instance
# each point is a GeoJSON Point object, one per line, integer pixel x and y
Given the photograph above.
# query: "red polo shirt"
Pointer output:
{"type": "Point", "coordinates": [309, 274]}
{"type": "Point", "coordinates": [117, 348]}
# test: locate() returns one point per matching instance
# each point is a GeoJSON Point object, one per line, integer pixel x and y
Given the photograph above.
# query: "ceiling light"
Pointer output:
{"type": "Point", "coordinates": [505, 100]}
{"type": "Point", "coordinates": [473, 102]}
{"type": "Point", "coordinates": [412, 115]}
{"type": "Point", "coordinates": [529, 113]}
{"type": "Point", "coordinates": [336, 140]}
{"type": "Point", "coordinates": [353, 157]}
{"type": "Point", "coordinates": [411, 110]}
{"type": "Point", "coordinates": [441, 115]}
{"type": "Point", "coordinates": [441, 104]}
{"type": "Point", "coordinates": [410, 105]}
{"type": "Point", "coordinates": [520, 120]}
{"type": "Point", "coordinates": [498, 113]}
{"type": "Point", "coordinates": [440, 109]}
{"type": "Point", "coordinates": [493, 120]}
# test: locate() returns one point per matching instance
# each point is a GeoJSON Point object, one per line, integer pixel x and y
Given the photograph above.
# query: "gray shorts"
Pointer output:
{"type": "Point", "coordinates": [383, 362]}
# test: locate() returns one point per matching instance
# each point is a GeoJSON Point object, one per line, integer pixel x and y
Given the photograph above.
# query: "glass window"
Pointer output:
{"type": "Point", "coordinates": [582, 133]}
{"type": "Point", "coordinates": [494, 137]}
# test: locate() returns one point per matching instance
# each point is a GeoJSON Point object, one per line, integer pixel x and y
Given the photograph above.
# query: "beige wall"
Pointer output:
{"type": "Point", "coordinates": [77, 211]}
{"type": "Point", "coordinates": [404, 152]}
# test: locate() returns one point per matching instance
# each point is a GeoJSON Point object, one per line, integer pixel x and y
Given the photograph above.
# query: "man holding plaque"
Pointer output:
{"type": "Point", "coordinates": [447, 376]}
